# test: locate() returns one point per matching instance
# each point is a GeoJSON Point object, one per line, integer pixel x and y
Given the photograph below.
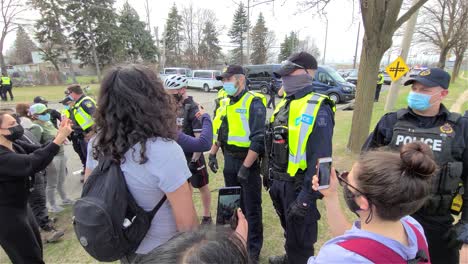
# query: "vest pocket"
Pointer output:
{"type": "Point", "coordinates": [450, 177]}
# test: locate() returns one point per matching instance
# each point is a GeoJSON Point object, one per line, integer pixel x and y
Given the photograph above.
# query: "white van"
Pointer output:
{"type": "Point", "coordinates": [175, 70]}
{"type": "Point", "coordinates": [204, 79]}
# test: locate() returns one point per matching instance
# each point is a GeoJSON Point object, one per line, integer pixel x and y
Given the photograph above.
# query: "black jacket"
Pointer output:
{"type": "Point", "coordinates": [17, 170]}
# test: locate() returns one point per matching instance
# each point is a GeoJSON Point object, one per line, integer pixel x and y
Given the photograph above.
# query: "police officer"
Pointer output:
{"type": "Point", "coordinates": [378, 88]}
{"type": "Point", "coordinates": [298, 134]}
{"type": "Point", "coordinates": [7, 86]}
{"type": "Point", "coordinates": [82, 114]}
{"type": "Point", "coordinates": [55, 115]}
{"type": "Point", "coordinates": [428, 120]}
{"type": "Point", "coordinates": [238, 128]}
{"type": "Point", "coordinates": [189, 124]}
{"type": "Point", "coordinates": [272, 93]}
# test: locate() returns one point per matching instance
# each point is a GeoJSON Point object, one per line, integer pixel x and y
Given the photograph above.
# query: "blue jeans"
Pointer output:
{"type": "Point", "coordinates": [251, 201]}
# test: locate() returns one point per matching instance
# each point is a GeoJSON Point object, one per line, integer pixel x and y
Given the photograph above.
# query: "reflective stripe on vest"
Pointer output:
{"type": "Point", "coordinates": [6, 80]}
{"type": "Point", "coordinates": [301, 120]}
{"type": "Point", "coordinates": [83, 119]}
{"type": "Point", "coordinates": [237, 116]}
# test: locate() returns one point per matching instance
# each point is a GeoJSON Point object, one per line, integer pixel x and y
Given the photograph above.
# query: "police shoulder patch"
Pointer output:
{"type": "Point", "coordinates": [89, 104]}
{"type": "Point", "coordinates": [446, 128]}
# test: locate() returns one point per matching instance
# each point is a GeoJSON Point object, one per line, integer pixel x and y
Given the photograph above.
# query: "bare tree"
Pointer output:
{"type": "Point", "coordinates": [11, 10]}
{"type": "Point", "coordinates": [442, 25]}
{"type": "Point", "coordinates": [380, 19]}
{"type": "Point", "coordinates": [459, 50]}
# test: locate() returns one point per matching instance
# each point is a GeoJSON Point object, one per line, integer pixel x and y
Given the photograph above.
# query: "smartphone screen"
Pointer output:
{"type": "Point", "coordinates": [324, 170]}
{"type": "Point", "coordinates": [228, 202]}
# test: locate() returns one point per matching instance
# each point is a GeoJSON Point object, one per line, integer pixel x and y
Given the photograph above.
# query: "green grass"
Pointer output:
{"type": "Point", "coordinates": [84, 80]}
{"type": "Point", "coordinates": [70, 251]}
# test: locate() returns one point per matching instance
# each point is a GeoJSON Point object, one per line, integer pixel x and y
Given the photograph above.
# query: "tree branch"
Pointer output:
{"type": "Point", "coordinates": [409, 13]}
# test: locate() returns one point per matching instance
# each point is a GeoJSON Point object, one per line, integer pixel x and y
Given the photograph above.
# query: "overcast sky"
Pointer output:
{"type": "Point", "coordinates": [281, 16]}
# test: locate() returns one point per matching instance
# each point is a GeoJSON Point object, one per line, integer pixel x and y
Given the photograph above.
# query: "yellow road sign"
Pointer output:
{"type": "Point", "coordinates": [397, 69]}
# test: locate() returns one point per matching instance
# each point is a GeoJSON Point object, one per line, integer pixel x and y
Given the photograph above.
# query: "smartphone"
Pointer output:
{"type": "Point", "coordinates": [324, 166]}
{"type": "Point", "coordinates": [228, 201]}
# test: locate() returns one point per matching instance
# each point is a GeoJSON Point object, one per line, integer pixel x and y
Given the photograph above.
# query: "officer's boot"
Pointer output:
{"type": "Point", "coordinates": [283, 259]}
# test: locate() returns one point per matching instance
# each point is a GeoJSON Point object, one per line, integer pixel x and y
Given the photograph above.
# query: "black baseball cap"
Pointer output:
{"type": "Point", "coordinates": [300, 60]}
{"type": "Point", "coordinates": [40, 100]}
{"type": "Point", "coordinates": [230, 71]}
{"type": "Point", "coordinates": [431, 78]}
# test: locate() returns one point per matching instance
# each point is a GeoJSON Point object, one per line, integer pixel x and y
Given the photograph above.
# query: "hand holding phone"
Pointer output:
{"type": "Point", "coordinates": [228, 202]}
{"type": "Point", "coordinates": [324, 167]}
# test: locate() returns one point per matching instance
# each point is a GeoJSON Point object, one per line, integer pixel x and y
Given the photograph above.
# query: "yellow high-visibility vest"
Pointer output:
{"type": "Point", "coordinates": [237, 115]}
{"type": "Point", "coordinates": [83, 119]}
{"type": "Point", "coordinates": [6, 80]}
{"type": "Point", "coordinates": [381, 78]}
{"type": "Point", "coordinates": [301, 120]}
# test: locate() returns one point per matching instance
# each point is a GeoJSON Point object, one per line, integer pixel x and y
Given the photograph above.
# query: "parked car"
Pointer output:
{"type": "Point", "coordinates": [174, 70]}
{"type": "Point", "coordinates": [259, 76]}
{"type": "Point", "coordinates": [204, 79]}
{"type": "Point", "coordinates": [344, 72]}
{"type": "Point", "coordinates": [327, 81]}
{"type": "Point", "coordinates": [352, 77]}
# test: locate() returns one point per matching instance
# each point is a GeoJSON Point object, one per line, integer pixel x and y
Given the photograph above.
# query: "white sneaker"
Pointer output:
{"type": "Point", "coordinates": [67, 202]}
{"type": "Point", "coordinates": [56, 209]}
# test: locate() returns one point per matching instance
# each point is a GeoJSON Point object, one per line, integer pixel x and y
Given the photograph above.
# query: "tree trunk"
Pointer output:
{"type": "Point", "coordinates": [2, 58]}
{"type": "Point", "coordinates": [368, 70]}
{"type": "Point", "coordinates": [457, 66]}
{"type": "Point", "coordinates": [72, 68]}
{"type": "Point", "coordinates": [442, 57]}
{"type": "Point", "coordinates": [95, 57]}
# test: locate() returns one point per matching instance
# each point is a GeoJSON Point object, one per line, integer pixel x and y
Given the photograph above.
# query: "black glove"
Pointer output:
{"type": "Point", "coordinates": [458, 235]}
{"type": "Point", "coordinates": [243, 175]}
{"type": "Point", "coordinates": [266, 182]}
{"type": "Point", "coordinates": [297, 210]}
{"type": "Point", "coordinates": [213, 163]}
{"type": "Point", "coordinates": [193, 167]}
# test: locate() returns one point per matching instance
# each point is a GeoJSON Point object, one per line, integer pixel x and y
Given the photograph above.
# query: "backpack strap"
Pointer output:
{"type": "Point", "coordinates": [372, 250]}
{"type": "Point", "coordinates": [423, 250]}
{"type": "Point", "coordinates": [153, 212]}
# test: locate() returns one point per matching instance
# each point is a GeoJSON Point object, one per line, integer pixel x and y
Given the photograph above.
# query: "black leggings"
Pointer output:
{"type": "Point", "coordinates": [19, 235]}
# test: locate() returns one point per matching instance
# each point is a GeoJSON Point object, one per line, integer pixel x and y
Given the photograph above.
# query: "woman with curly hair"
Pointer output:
{"type": "Point", "coordinates": [136, 125]}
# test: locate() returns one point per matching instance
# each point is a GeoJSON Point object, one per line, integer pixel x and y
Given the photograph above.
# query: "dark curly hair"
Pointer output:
{"type": "Point", "coordinates": [132, 108]}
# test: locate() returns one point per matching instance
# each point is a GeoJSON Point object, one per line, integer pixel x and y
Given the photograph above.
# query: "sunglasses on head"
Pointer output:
{"type": "Point", "coordinates": [343, 180]}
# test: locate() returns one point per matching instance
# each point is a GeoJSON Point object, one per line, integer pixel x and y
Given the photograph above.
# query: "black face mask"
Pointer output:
{"type": "Point", "coordinates": [177, 97]}
{"type": "Point", "coordinates": [349, 199]}
{"type": "Point", "coordinates": [16, 132]}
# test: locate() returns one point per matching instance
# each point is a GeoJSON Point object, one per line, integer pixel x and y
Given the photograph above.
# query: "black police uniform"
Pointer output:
{"type": "Point", "coordinates": [447, 135]}
{"type": "Point", "coordinates": [272, 93]}
{"type": "Point", "coordinates": [191, 125]}
{"type": "Point", "coordinates": [290, 193]}
{"type": "Point", "coordinates": [89, 107]}
{"type": "Point", "coordinates": [251, 203]}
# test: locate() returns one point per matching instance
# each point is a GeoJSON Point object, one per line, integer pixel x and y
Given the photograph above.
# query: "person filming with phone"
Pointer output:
{"type": "Point", "coordinates": [382, 189]}
{"type": "Point", "coordinates": [300, 132]}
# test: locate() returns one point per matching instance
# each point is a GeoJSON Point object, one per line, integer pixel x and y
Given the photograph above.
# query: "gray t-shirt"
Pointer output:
{"type": "Point", "coordinates": [164, 172]}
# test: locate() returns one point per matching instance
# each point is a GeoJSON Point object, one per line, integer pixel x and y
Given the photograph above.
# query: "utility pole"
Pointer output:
{"type": "Point", "coordinates": [248, 31]}
{"type": "Point", "coordinates": [326, 36]}
{"type": "Point", "coordinates": [163, 55]}
{"type": "Point", "coordinates": [357, 44]}
{"type": "Point", "coordinates": [405, 47]}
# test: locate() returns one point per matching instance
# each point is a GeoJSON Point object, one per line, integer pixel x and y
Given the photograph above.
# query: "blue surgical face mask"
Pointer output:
{"type": "Point", "coordinates": [230, 88]}
{"type": "Point", "coordinates": [67, 107]}
{"type": "Point", "coordinates": [44, 118]}
{"type": "Point", "coordinates": [71, 97]}
{"type": "Point", "coordinates": [419, 101]}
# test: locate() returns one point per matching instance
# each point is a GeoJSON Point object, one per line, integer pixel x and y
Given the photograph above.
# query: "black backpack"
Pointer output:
{"type": "Point", "coordinates": [107, 220]}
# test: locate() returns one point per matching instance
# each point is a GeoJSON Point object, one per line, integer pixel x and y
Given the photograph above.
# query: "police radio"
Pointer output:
{"type": "Point", "coordinates": [457, 201]}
